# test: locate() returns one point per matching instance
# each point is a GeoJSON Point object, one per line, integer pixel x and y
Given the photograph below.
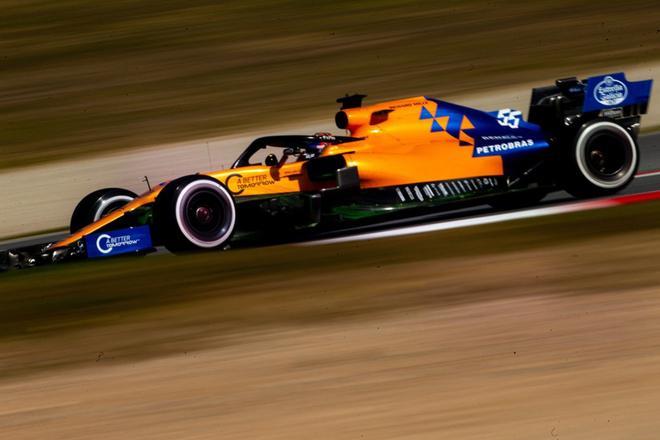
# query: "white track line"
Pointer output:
{"type": "Point", "coordinates": [486, 219]}
{"type": "Point", "coordinates": [455, 224]}
{"type": "Point", "coordinates": [495, 218]}
{"type": "Point", "coordinates": [648, 174]}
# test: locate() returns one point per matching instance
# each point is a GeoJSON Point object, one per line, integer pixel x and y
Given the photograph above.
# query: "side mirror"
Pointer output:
{"type": "Point", "coordinates": [271, 160]}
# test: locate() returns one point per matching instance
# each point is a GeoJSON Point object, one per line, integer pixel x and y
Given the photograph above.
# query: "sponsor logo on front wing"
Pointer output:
{"type": "Point", "coordinates": [118, 242]}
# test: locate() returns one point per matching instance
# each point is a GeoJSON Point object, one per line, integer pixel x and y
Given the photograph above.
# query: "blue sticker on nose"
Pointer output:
{"type": "Point", "coordinates": [122, 241]}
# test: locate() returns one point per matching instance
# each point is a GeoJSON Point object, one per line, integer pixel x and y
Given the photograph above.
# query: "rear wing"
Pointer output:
{"type": "Point", "coordinates": [571, 100]}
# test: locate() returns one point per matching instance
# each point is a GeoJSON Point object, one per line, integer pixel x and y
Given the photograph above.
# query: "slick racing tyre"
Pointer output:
{"type": "Point", "coordinates": [603, 159]}
{"type": "Point", "coordinates": [194, 213]}
{"type": "Point", "coordinates": [97, 205]}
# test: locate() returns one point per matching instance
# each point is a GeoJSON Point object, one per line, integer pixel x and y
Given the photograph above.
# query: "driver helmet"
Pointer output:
{"type": "Point", "coordinates": [322, 140]}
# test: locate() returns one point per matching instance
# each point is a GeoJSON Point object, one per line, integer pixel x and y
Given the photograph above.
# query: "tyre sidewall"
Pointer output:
{"type": "Point", "coordinates": [91, 208]}
{"type": "Point", "coordinates": [101, 206]}
{"type": "Point", "coordinates": [169, 225]}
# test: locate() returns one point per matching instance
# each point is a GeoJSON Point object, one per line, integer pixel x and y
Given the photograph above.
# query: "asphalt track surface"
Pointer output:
{"type": "Point", "coordinates": [648, 179]}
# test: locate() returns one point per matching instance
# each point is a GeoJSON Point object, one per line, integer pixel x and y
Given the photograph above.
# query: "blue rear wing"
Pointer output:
{"type": "Point", "coordinates": [613, 91]}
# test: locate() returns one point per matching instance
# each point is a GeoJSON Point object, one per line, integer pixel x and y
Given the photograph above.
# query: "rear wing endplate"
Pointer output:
{"type": "Point", "coordinates": [614, 90]}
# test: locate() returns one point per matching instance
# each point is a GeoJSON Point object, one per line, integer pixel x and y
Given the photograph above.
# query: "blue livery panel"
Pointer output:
{"type": "Point", "coordinates": [122, 241]}
{"type": "Point", "coordinates": [499, 133]}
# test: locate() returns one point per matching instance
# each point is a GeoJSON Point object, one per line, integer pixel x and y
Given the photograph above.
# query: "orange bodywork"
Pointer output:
{"type": "Point", "coordinates": [397, 149]}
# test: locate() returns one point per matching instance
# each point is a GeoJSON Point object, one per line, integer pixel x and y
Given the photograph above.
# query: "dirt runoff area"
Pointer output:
{"type": "Point", "coordinates": [562, 342]}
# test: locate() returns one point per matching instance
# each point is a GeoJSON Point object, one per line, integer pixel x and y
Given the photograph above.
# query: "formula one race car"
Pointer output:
{"type": "Point", "coordinates": [402, 157]}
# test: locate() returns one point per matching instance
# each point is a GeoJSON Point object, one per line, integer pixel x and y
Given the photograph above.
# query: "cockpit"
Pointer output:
{"type": "Point", "coordinates": [278, 150]}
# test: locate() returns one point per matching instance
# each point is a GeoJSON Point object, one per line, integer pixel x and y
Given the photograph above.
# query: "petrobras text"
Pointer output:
{"type": "Point", "coordinates": [508, 147]}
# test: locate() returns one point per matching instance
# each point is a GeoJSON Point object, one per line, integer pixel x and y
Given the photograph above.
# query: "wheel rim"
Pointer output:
{"type": "Point", "coordinates": [206, 215]}
{"type": "Point", "coordinates": [607, 157]}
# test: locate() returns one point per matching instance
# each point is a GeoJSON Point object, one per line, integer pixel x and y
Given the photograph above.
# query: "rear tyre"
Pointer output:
{"type": "Point", "coordinates": [194, 213]}
{"type": "Point", "coordinates": [521, 199]}
{"type": "Point", "coordinates": [603, 160]}
{"type": "Point", "coordinates": [97, 205]}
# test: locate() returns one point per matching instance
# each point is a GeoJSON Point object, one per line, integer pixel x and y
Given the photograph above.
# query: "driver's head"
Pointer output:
{"type": "Point", "coordinates": [314, 149]}
{"type": "Point", "coordinates": [321, 140]}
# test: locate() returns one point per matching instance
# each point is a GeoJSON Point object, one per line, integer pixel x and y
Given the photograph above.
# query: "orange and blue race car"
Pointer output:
{"type": "Point", "coordinates": [399, 158]}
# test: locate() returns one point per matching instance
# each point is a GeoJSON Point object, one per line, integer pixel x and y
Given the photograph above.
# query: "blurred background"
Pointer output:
{"type": "Point", "coordinates": [86, 77]}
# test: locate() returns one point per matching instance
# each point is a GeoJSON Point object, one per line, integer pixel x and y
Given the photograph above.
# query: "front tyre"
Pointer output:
{"type": "Point", "coordinates": [603, 161]}
{"type": "Point", "coordinates": [194, 213]}
{"type": "Point", "coordinates": [97, 205]}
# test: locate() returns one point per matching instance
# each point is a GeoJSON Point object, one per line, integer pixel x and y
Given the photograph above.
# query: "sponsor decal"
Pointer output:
{"type": "Point", "coordinates": [237, 183]}
{"type": "Point", "coordinates": [614, 90]}
{"type": "Point", "coordinates": [506, 137]}
{"type": "Point", "coordinates": [408, 104]}
{"type": "Point", "coordinates": [610, 92]}
{"type": "Point", "coordinates": [445, 189]}
{"type": "Point", "coordinates": [118, 242]}
{"type": "Point", "coordinates": [509, 118]}
{"type": "Point", "coordinates": [508, 147]}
